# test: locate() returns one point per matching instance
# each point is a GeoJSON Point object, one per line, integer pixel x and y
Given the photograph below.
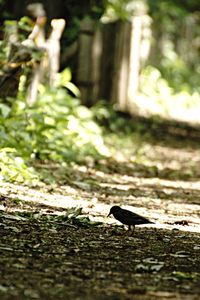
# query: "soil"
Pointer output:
{"type": "Point", "coordinates": [91, 256]}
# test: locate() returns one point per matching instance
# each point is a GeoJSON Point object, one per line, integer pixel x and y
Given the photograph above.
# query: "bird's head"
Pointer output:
{"type": "Point", "coordinates": [113, 210]}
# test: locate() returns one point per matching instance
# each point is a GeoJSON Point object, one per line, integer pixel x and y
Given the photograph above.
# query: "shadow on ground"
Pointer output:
{"type": "Point", "coordinates": [43, 260]}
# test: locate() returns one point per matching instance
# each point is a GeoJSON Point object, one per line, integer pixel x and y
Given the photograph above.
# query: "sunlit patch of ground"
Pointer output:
{"type": "Point", "coordinates": [163, 201]}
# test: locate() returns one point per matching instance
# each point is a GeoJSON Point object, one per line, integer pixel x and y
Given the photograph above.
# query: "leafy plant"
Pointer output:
{"type": "Point", "coordinates": [56, 127]}
{"type": "Point", "coordinates": [14, 168]}
{"type": "Point", "coordinates": [75, 216]}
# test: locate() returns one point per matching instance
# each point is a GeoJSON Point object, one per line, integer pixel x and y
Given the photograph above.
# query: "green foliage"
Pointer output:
{"type": "Point", "coordinates": [121, 10]}
{"type": "Point", "coordinates": [61, 128]}
{"type": "Point", "coordinates": [154, 84]}
{"type": "Point", "coordinates": [157, 97]}
{"type": "Point", "coordinates": [64, 80]}
{"type": "Point", "coordinates": [3, 53]}
{"type": "Point", "coordinates": [178, 74]}
{"type": "Point", "coordinates": [56, 127]}
{"type": "Point", "coordinates": [13, 167]}
{"type": "Point", "coordinates": [175, 52]}
{"type": "Point", "coordinates": [75, 216]}
{"type": "Point", "coordinates": [117, 9]}
{"type": "Point", "coordinates": [25, 24]}
{"type": "Point", "coordinates": [173, 6]}
{"type": "Point", "coordinates": [112, 120]}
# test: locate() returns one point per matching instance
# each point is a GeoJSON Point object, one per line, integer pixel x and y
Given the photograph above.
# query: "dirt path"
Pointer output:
{"type": "Point", "coordinates": [46, 258]}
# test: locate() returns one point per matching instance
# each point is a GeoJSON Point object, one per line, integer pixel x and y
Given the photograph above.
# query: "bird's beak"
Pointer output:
{"type": "Point", "coordinates": [109, 214]}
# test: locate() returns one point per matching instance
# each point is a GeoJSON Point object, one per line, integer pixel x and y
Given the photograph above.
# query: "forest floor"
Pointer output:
{"type": "Point", "coordinates": [45, 255]}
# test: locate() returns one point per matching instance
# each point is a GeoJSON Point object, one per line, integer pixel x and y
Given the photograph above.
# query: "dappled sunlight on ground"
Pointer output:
{"type": "Point", "coordinates": [162, 184]}
{"type": "Point", "coordinates": [40, 241]}
{"type": "Point", "coordinates": [163, 201]}
{"type": "Point", "coordinates": [157, 179]}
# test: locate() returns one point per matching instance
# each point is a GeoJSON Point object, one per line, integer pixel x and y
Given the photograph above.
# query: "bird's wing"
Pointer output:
{"type": "Point", "coordinates": [135, 218]}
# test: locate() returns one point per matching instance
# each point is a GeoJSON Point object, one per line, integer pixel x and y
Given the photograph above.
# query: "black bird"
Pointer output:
{"type": "Point", "coordinates": [127, 217]}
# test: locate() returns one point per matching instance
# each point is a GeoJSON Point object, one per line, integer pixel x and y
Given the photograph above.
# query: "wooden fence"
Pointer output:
{"type": "Point", "coordinates": [110, 58]}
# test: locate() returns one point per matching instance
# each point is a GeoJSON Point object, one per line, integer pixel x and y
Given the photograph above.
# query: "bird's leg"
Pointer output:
{"type": "Point", "coordinates": [129, 231]}
{"type": "Point", "coordinates": [124, 230]}
{"type": "Point", "coordinates": [133, 230]}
